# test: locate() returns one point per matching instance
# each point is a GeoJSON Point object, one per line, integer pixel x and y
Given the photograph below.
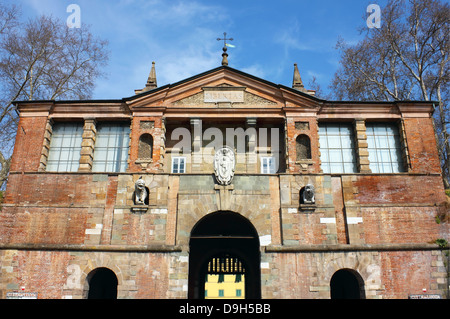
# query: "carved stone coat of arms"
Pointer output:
{"type": "Point", "coordinates": [224, 165]}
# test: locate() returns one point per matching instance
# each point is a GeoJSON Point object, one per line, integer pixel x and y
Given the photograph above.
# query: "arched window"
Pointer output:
{"type": "Point", "coordinates": [303, 147]}
{"type": "Point", "coordinates": [102, 284]}
{"type": "Point", "coordinates": [145, 148]}
{"type": "Point", "coordinates": [347, 284]}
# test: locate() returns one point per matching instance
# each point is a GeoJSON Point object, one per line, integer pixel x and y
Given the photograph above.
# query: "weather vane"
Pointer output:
{"type": "Point", "coordinates": [225, 45]}
{"type": "Point", "coordinates": [225, 40]}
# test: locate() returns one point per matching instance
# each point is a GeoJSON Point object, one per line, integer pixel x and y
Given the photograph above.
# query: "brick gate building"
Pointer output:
{"type": "Point", "coordinates": [70, 224]}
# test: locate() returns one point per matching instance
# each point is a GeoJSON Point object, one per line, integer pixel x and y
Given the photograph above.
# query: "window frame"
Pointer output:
{"type": "Point", "coordinates": [384, 145]}
{"type": "Point", "coordinates": [178, 158]}
{"type": "Point", "coordinates": [120, 147]}
{"type": "Point", "coordinates": [343, 139]}
{"type": "Point", "coordinates": [273, 165]}
{"type": "Point", "coordinates": [73, 151]}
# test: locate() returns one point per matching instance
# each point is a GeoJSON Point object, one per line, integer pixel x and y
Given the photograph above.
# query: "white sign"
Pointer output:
{"type": "Point", "coordinates": [21, 295]}
{"type": "Point", "coordinates": [425, 296]}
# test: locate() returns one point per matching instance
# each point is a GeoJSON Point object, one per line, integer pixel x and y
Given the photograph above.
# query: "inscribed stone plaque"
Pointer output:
{"type": "Point", "coordinates": [223, 94]}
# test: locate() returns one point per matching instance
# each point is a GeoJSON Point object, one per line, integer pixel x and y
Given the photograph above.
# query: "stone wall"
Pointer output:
{"type": "Point", "coordinates": [386, 274]}
{"type": "Point", "coordinates": [71, 224]}
{"type": "Point", "coordinates": [163, 275]}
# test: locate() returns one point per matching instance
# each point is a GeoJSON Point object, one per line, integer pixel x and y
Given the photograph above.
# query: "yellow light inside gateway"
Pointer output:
{"type": "Point", "coordinates": [227, 289]}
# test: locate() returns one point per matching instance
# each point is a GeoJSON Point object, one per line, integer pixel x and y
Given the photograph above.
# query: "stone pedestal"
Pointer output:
{"type": "Point", "coordinates": [224, 196]}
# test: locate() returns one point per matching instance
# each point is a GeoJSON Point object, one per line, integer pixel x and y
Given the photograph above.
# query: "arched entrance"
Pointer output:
{"type": "Point", "coordinates": [347, 284]}
{"type": "Point", "coordinates": [224, 243]}
{"type": "Point", "coordinates": [102, 284]}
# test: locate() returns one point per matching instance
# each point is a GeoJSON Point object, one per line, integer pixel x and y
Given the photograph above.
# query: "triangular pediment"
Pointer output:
{"type": "Point", "coordinates": [224, 95]}
{"type": "Point", "coordinates": [219, 88]}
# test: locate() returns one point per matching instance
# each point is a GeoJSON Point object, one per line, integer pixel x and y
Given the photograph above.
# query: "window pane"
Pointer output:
{"type": "Point", "coordinates": [322, 130]}
{"type": "Point", "coordinates": [326, 167]}
{"type": "Point", "coordinates": [101, 153]}
{"type": "Point", "coordinates": [324, 155]}
{"type": "Point", "coordinates": [349, 167]}
{"type": "Point", "coordinates": [385, 158]}
{"type": "Point", "coordinates": [336, 156]}
{"type": "Point", "coordinates": [392, 141]}
{"type": "Point", "coordinates": [347, 156]}
{"type": "Point", "coordinates": [57, 140]}
{"type": "Point", "coordinates": [323, 142]}
{"type": "Point", "coordinates": [346, 142]}
{"type": "Point", "coordinates": [381, 141]}
{"type": "Point", "coordinates": [334, 142]}
{"type": "Point", "coordinates": [387, 168]}
{"type": "Point", "coordinates": [397, 168]}
{"type": "Point", "coordinates": [62, 166]}
{"type": "Point", "coordinates": [336, 168]}
{"type": "Point", "coordinates": [391, 130]}
{"type": "Point", "coordinates": [345, 130]}
{"type": "Point", "coordinates": [375, 167]}
{"type": "Point", "coordinates": [373, 158]}
{"type": "Point", "coordinates": [332, 129]}
{"type": "Point", "coordinates": [272, 166]}
{"type": "Point", "coordinates": [379, 129]}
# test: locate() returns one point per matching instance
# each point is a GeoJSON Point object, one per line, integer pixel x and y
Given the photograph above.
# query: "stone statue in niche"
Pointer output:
{"type": "Point", "coordinates": [140, 192]}
{"type": "Point", "coordinates": [308, 196]}
{"type": "Point", "coordinates": [224, 165]}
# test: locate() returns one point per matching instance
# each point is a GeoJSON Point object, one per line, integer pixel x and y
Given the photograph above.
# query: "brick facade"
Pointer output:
{"type": "Point", "coordinates": [56, 228]}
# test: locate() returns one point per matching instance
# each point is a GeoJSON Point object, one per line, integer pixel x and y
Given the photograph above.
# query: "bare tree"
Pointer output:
{"type": "Point", "coordinates": [406, 59]}
{"type": "Point", "coordinates": [42, 59]}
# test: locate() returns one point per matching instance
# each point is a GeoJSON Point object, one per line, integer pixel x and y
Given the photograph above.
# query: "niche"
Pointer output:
{"type": "Point", "coordinates": [145, 147]}
{"type": "Point", "coordinates": [303, 147]}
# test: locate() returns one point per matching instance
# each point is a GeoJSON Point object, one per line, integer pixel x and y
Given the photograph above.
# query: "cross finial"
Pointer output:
{"type": "Point", "coordinates": [225, 54]}
{"type": "Point", "coordinates": [224, 39]}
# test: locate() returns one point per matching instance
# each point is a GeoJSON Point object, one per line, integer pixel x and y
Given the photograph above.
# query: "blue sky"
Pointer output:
{"type": "Point", "coordinates": [180, 36]}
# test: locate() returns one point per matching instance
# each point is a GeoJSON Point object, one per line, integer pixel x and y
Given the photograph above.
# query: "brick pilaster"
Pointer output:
{"type": "Point", "coordinates": [46, 145]}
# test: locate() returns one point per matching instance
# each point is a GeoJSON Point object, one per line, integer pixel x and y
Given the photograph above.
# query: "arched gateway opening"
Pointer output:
{"type": "Point", "coordinates": [347, 284]}
{"type": "Point", "coordinates": [224, 246]}
{"type": "Point", "coordinates": [102, 284]}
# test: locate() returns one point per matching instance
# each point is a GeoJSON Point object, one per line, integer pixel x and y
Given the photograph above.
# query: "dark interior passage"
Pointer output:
{"type": "Point", "coordinates": [102, 284]}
